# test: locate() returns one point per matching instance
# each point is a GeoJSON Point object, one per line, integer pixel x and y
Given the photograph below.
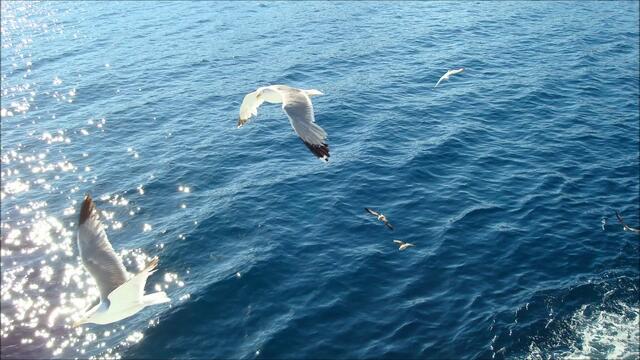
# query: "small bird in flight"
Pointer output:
{"type": "Point", "coordinates": [403, 245]}
{"type": "Point", "coordinates": [625, 226]}
{"type": "Point", "coordinates": [447, 74]}
{"type": "Point", "coordinates": [296, 103]}
{"type": "Point", "coordinates": [120, 295]}
{"type": "Point", "coordinates": [380, 217]}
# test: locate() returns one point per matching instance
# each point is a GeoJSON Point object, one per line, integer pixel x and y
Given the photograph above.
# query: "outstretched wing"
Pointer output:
{"type": "Point", "coordinates": [97, 253]}
{"type": "Point", "coordinates": [455, 71]}
{"type": "Point", "coordinates": [249, 107]}
{"type": "Point", "coordinates": [398, 242]}
{"type": "Point", "coordinates": [132, 291]}
{"type": "Point", "coordinates": [625, 226]}
{"type": "Point", "coordinates": [372, 212]}
{"type": "Point", "coordinates": [389, 225]}
{"type": "Point", "coordinates": [297, 105]}
{"type": "Point", "coordinates": [441, 78]}
{"type": "Point", "coordinates": [405, 246]}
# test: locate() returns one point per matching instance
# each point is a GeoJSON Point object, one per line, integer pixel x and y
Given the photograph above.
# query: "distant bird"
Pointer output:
{"type": "Point", "coordinates": [120, 296]}
{"type": "Point", "coordinates": [296, 103]}
{"type": "Point", "coordinates": [403, 245]}
{"type": "Point", "coordinates": [625, 226]}
{"type": "Point", "coordinates": [447, 74]}
{"type": "Point", "coordinates": [604, 222]}
{"type": "Point", "coordinates": [380, 217]}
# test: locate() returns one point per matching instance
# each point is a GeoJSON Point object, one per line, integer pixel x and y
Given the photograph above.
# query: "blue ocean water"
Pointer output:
{"type": "Point", "coordinates": [505, 178]}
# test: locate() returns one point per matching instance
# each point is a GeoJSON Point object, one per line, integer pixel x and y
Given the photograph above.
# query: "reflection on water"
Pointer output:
{"type": "Point", "coordinates": [44, 285]}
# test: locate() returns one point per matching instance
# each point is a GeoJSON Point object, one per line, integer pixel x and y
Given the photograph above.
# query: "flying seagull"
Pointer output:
{"type": "Point", "coordinates": [296, 103]}
{"type": "Point", "coordinates": [447, 74]}
{"type": "Point", "coordinates": [120, 296]}
{"type": "Point", "coordinates": [403, 245]}
{"type": "Point", "coordinates": [380, 217]}
{"type": "Point", "coordinates": [625, 226]}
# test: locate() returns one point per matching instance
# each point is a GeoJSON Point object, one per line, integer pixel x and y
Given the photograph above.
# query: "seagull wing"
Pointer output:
{"type": "Point", "coordinates": [441, 78]}
{"type": "Point", "coordinates": [372, 212]}
{"type": "Point", "coordinates": [455, 71]}
{"type": "Point", "coordinates": [388, 225]}
{"type": "Point", "coordinates": [398, 242]}
{"type": "Point", "coordinates": [132, 291]}
{"type": "Point", "coordinates": [249, 107]}
{"type": "Point", "coordinates": [97, 253]}
{"type": "Point", "coordinates": [297, 105]}
{"type": "Point", "coordinates": [625, 226]}
{"type": "Point", "coordinates": [405, 246]}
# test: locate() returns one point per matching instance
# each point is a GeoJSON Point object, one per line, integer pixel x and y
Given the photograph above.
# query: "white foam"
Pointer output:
{"type": "Point", "coordinates": [605, 334]}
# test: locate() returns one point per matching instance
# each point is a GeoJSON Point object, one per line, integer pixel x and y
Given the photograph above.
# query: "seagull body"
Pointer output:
{"type": "Point", "coordinates": [380, 217]}
{"type": "Point", "coordinates": [403, 245]}
{"type": "Point", "coordinates": [625, 226]}
{"type": "Point", "coordinates": [296, 103]}
{"type": "Point", "coordinates": [447, 74]}
{"type": "Point", "coordinates": [120, 296]}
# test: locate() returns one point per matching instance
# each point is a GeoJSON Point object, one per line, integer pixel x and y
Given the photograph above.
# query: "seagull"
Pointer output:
{"type": "Point", "coordinates": [296, 103]}
{"type": "Point", "coordinates": [120, 296]}
{"type": "Point", "coordinates": [380, 217]}
{"type": "Point", "coordinates": [403, 245]}
{"type": "Point", "coordinates": [447, 74]}
{"type": "Point", "coordinates": [625, 226]}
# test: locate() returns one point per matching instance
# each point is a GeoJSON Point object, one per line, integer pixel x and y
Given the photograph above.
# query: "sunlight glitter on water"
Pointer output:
{"type": "Point", "coordinates": [43, 295]}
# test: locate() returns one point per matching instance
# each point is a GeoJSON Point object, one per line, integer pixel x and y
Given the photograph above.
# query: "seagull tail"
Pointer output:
{"type": "Point", "coordinates": [159, 297]}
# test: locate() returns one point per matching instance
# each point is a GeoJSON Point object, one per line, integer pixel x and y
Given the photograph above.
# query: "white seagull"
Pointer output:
{"type": "Point", "coordinates": [296, 103]}
{"type": "Point", "coordinates": [120, 296]}
{"type": "Point", "coordinates": [380, 217]}
{"type": "Point", "coordinates": [403, 245]}
{"type": "Point", "coordinates": [447, 74]}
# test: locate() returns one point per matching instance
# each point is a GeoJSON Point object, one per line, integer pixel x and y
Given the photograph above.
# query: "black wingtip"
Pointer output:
{"type": "Point", "coordinates": [87, 209]}
{"type": "Point", "coordinates": [619, 217]}
{"type": "Point", "coordinates": [389, 226]}
{"type": "Point", "coordinates": [319, 150]}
